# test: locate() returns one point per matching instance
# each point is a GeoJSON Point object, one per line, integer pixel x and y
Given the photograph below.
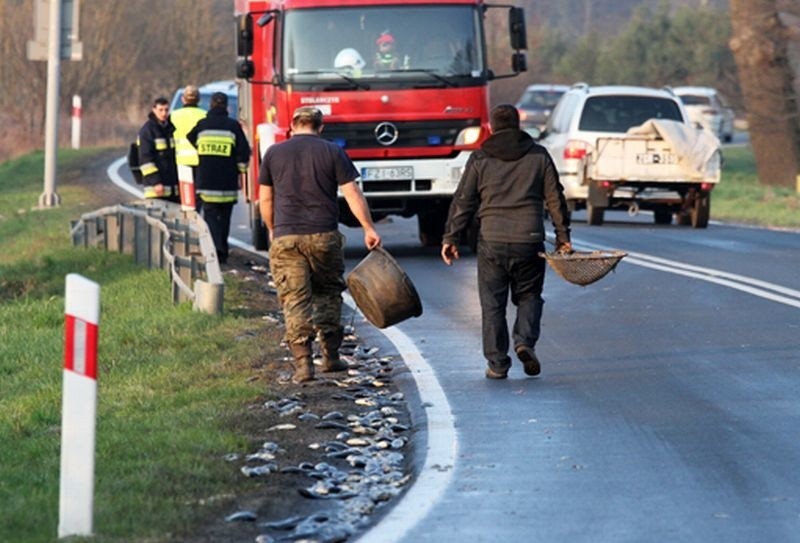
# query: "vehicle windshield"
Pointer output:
{"type": "Point", "coordinates": [694, 100]}
{"type": "Point", "coordinates": [620, 113]}
{"type": "Point", "coordinates": [368, 47]}
{"type": "Point", "coordinates": [205, 102]}
{"type": "Point", "coordinates": [540, 99]}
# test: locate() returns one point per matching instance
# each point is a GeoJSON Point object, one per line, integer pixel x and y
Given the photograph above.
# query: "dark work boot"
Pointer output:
{"type": "Point", "coordinates": [303, 370]}
{"type": "Point", "coordinates": [330, 352]}
{"type": "Point", "coordinates": [303, 362]}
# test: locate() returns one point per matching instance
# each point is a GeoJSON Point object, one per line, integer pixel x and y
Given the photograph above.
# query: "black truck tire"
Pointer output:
{"type": "Point", "coordinates": [701, 211]}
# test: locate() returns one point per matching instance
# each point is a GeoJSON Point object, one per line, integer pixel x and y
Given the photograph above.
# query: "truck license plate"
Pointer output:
{"type": "Point", "coordinates": [656, 158]}
{"type": "Point", "coordinates": [390, 173]}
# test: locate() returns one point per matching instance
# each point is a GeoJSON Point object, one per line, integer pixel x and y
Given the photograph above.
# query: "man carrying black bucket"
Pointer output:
{"type": "Point", "coordinates": [506, 185]}
{"type": "Point", "coordinates": [298, 181]}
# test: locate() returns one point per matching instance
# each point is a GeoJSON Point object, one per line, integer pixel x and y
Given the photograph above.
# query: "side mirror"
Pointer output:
{"type": "Point", "coordinates": [519, 63]}
{"type": "Point", "coordinates": [516, 25]}
{"type": "Point", "coordinates": [245, 69]}
{"type": "Point", "coordinates": [244, 36]}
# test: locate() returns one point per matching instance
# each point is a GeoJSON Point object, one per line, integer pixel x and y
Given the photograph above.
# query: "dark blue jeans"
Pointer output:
{"type": "Point", "coordinates": [519, 268]}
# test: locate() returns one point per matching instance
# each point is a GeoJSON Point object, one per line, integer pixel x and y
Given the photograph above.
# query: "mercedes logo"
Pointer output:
{"type": "Point", "coordinates": [386, 133]}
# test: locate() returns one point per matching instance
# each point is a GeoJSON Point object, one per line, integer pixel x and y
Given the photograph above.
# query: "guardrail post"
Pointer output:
{"type": "Point", "coordinates": [155, 235]}
{"type": "Point", "coordinates": [208, 297]}
{"type": "Point", "coordinates": [113, 233]}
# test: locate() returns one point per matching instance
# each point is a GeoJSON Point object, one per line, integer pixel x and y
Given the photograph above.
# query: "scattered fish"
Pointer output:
{"type": "Point", "coordinates": [247, 516]}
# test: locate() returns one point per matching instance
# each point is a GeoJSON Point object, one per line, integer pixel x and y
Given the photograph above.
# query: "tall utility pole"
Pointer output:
{"type": "Point", "coordinates": [50, 197]}
{"type": "Point", "coordinates": [55, 25]}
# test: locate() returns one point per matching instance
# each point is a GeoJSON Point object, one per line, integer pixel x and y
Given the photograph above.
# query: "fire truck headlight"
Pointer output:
{"type": "Point", "coordinates": [469, 136]}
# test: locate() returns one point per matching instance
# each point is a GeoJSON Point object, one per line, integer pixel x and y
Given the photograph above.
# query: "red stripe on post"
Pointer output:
{"type": "Point", "coordinates": [80, 346]}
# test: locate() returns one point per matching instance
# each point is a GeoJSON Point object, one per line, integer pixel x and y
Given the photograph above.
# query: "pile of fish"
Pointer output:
{"type": "Point", "coordinates": [360, 469]}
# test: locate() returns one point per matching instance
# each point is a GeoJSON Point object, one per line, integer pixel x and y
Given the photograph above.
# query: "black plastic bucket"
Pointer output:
{"type": "Point", "coordinates": [382, 290]}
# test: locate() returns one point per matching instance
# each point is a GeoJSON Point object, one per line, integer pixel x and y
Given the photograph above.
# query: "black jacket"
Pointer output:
{"type": "Point", "coordinates": [507, 184]}
{"type": "Point", "coordinates": [157, 153]}
{"type": "Point", "coordinates": [224, 153]}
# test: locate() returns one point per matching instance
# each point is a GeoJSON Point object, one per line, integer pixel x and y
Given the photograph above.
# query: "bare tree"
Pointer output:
{"type": "Point", "coordinates": [759, 45]}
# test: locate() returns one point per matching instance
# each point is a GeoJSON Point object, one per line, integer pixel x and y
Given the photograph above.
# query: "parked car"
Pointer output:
{"type": "Point", "coordinates": [708, 108]}
{"type": "Point", "coordinates": [604, 166]}
{"type": "Point", "coordinates": [536, 104]}
{"type": "Point", "coordinates": [228, 87]}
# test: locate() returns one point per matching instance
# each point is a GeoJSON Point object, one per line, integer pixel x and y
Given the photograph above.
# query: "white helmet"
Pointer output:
{"type": "Point", "coordinates": [349, 58]}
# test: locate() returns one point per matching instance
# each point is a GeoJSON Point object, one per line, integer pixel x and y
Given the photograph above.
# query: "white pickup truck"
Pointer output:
{"type": "Point", "coordinates": [662, 165]}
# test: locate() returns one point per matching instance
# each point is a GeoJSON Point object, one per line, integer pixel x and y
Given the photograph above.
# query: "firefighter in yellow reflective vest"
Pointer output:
{"type": "Point", "coordinates": [157, 154]}
{"type": "Point", "coordinates": [184, 119]}
{"type": "Point", "coordinates": [224, 153]}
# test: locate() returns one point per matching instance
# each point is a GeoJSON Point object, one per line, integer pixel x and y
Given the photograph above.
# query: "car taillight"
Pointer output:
{"type": "Point", "coordinates": [576, 149]}
{"type": "Point", "coordinates": [706, 187]}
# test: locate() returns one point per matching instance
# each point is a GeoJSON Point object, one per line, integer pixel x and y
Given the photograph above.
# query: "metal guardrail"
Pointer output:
{"type": "Point", "coordinates": [158, 234]}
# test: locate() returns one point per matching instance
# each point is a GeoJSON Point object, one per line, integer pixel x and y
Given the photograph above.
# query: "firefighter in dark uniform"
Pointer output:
{"type": "Point", "coordinates": [224, 153]}
{"type": "Point", "coordinates": [157, 154]}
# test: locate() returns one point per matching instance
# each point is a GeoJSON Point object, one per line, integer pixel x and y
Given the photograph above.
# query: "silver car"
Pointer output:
{"type": "Point", "coordinates": [708, 108]}
{"type": "Point", "coordinates": [536, 104]}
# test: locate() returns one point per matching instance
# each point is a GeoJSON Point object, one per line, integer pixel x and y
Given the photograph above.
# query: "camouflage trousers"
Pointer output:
{"type": "Point", "coordinates": [308, 270]}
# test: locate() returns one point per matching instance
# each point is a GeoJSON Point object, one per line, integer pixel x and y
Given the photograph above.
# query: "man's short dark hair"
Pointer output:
{"type": "Point", "coordinates": [160, 101]}
{"type": "Point", "coordinates": [307, 116]}
{"type": "Point", "coordinates": [219, 99]}
{"type": "Point", "coordinates": [503, 117]}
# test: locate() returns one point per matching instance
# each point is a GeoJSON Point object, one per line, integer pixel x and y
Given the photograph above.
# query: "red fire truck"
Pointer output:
{"type": "Point", "coordinates": [403, 87]}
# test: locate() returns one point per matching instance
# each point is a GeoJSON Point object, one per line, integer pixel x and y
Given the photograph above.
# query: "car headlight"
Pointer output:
{"type": "Point", "coordinates": [469, 136]}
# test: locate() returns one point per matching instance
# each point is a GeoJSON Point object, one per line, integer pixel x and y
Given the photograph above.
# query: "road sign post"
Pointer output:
{"type": "Point", "coordinates": [56, 28]}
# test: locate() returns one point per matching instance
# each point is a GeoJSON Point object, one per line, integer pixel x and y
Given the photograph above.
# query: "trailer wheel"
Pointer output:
{"type": "Point", "coordinates": [701, 211]}
{"type": "Point", "coordinates": [594, 214]}
{"type": "Point", "coordinates": [662, 216]}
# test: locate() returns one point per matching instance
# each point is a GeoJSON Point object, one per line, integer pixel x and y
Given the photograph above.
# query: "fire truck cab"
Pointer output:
{"type": "Point", "coordinates": [403, 88]}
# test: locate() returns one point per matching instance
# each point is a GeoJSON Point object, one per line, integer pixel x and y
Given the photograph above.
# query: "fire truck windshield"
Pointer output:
{"type": "Point", "coordinates": [383, 46]}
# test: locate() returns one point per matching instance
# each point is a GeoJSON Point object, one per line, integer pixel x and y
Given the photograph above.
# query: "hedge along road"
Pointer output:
{"type": "Point", "coordinates": [666, 409]}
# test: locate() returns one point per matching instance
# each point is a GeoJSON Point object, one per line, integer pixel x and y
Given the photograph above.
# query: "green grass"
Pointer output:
{"type": "Point", "coordinates": [741, 198]}
{"type": "Point", "coordinates": [171, 382]}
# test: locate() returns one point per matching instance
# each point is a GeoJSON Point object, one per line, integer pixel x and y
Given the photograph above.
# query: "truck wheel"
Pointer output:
{"type": "Point", "coordinates": [594, 214]}
{"type": "Point", "coordinates": [431, 228]}
{"type": "Point", "coordinates": [258, 230]}
{"type": "Point", "coordinates": [701, 211]}
{"type": "Point", "coordinates": [662, 216]}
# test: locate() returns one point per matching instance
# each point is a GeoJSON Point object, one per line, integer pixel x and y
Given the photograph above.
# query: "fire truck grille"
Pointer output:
{"type": "Point", "coordinates": [409, 133]}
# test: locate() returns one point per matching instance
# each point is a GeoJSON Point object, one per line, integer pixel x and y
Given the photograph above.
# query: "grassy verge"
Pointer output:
{"type": "Point", "coordinates": [740, 198]}
{"type": "Point", "coordinates": [172, 382]}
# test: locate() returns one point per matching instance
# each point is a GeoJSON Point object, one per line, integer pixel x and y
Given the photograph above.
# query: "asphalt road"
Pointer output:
{"type": "Point", "coordinates": [667, 409]}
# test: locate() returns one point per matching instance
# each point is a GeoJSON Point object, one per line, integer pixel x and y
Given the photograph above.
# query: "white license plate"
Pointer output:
{"type": "Point", "coordinates": [656, 158]}
{"type": "Point", "coordinates": [392, 173]}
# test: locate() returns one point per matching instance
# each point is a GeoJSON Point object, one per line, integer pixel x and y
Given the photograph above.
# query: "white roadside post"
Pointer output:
{"type": "Point", "coordinates": [76, 122]}
{"type": "Point", "coordinates": [82, 318]}
{"type": "Point", "coordinates": [186, 181]}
